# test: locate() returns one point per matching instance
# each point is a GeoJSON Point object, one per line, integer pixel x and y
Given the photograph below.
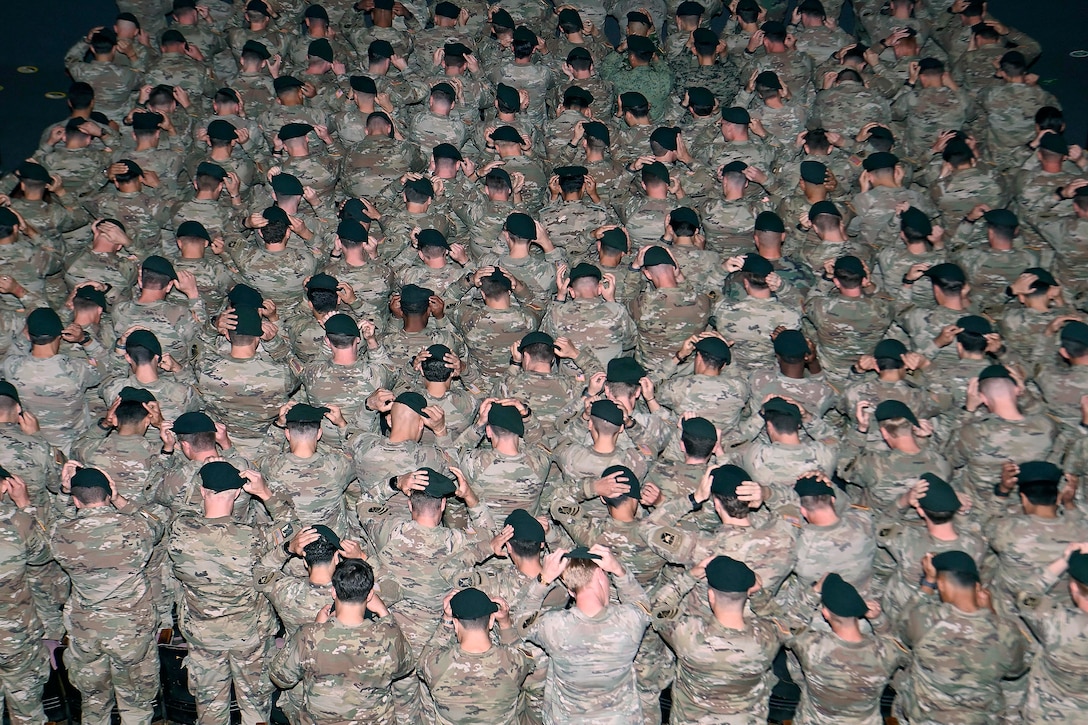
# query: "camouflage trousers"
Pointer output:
{"type": "Point", "coordinates": [120, 666]}
{"type": "Point", "coordinates": [211, 673]}
{"type": "Point", "coordinates": [22, 677]}
{"type": "Point", "coordinates": [50, 587]}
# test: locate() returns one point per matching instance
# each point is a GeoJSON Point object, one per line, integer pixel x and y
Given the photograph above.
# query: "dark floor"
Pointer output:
{"type": "Point", "coordinates": [37, 33]}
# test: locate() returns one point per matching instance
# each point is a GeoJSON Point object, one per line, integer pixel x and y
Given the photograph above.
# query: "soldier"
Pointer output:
{"type": "Point", "coordinates": [592, 646]}
{"type": "Point", "coordinates": [798, 375]}
{"type": "Point", "coordinates": [175, 323]}
{"type": "Point", "coordinates": [961, 648]}
{"type": "Point", "coordinates": [228, 624]}
{"type": "Point", "coordinates": [752, 319]}
{"type": "Point", "coordinates": [489, 330]}
{"type": "Point", "coordinates": [712, 392]}
{"type": "Point", "coordinates": [669, 311]}
{"type": "Point", "coordinates": [1060, 628]}
{"type": "Point", "coordinates": [591, 318]}
{"type": "Point", "coordinates": [106, 545]}
{"type": "Point", "coordinates": [728, 654]}
{"type": "Point", "coordinates": [490, 675]}
{"type": "Point", "coordinates": [354, 640]}
{"type": "Point", "coordinates": [23, 546]}
{"type": "Point", "coordinates": [52, 384]}
{"type": "Point", "coordinates": [23, 449]}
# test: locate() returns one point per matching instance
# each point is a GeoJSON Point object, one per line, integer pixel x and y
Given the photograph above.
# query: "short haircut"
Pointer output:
{"type": "Point", "coordinates": [541, 352]}
{"type": "Point", "coordinates": [274, 232]}
{"type": "Point", "coordinates": [423, 503]}
{"type": "Point", "coordinates": [782, 422]}
{"type": "Point", "coordinates": [323, 300]}
{"type": "Point", "coordinates": [353, 581]}
{"type": "Point", "coordinates": [823, 501]}
{"type": "Point", "coordinates": [733, 506]}
{"type": "Point", "coordinates": [203, 441]}
{"type": "Point", "coordinates": [318, 552]}
{"type": "Point", "coordinates": [697, 447]}
{"type": "Point", "coordinates": [89, 495]}
{"type": "Point", "coordinates": [130, 412]}
{"type": "Point", "coordinates": [578, 574]}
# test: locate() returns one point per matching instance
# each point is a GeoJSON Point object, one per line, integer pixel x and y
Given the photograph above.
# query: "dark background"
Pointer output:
{"type": "Point", "coordinates": [38, 32]}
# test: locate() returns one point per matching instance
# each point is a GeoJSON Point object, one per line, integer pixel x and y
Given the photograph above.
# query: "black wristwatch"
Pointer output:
{"type": "Point", "coordinates": [86, 338]}
{"type": "Point", "coordinates": [696, 505]}
{"type": "Point", "coordinates": [1000, 492]}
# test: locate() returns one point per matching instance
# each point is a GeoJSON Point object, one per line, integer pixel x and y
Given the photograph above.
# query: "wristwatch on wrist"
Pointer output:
{"type": "Point", "coordinates": [696, 505]}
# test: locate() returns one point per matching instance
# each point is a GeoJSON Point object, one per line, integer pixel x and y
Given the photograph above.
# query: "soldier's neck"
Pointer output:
{"type": "Point", "coordinates": [145, 373]}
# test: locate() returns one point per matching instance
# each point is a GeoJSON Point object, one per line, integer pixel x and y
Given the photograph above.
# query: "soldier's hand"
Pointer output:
{"type": "Point", "coordinates": [974, 398]}
{"type": "Point", "coordinates": [565, 349]}
{"type": "Point", "coordinates": [608, 561]}
{"type": "Point", "coordinates": [553, 566]}
{"type": "Point", "coordinates": [351, 550]}
{"type": "Point", "coordinates": [464, 490]}
{"type": "Point", "coordinates": [324, 614]}
{"type": "Point", "coordinates": [15, 487]}
{"type": "Point", "coordinates": [929, 572]}
{"type": "Point", "coordinates": [301, 540]}
{"type": "Point", "coordinates": [28, 423]}
{"type": "Point", "coordinates": [698, 571]}
{"type": "Point", "coordinates": [414, 481]}
{"type": "Point", "coordinates": [255, 484]}
{"type": "Point", "coordinates": [612, 485]}
{"type": "Point", "coordinates": [435, 419]}
{"type": "Point", "coordinates": [651, 495]}
{"type": "Point", "coordinates": [915, 361]}
{"type": "Point", "coordinates": [596, 384]}
{"type": "Point", "coordinates": [751, 492]}
{"type": "Point", "coordinates": [501, 616]}
{"type": "Point", "coordinates": [498, 543]}
{"type": "Point", "coordinates": [381, 400]}
{"type": "Point", "coordinates": [608, 286]}
{"type": "Point", "coordinates": [66, 472]}
{"type": "Point", "coordinates": [983, 599]}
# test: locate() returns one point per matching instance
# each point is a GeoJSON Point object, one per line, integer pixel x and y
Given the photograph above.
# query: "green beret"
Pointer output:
{"type": "Point", "coordinates": [699, 428]}
{"type": "Point", "coordinates": [791, 344]}
{"type": "Point", "coordinates": [275, 214]}
{"type": "Point", "coordinates": [812, 486]}
{"type": "Point", "coordinates": [578, 53]}
{"type": "Point", "coordinates": [221, 476]}
{"type": "Point", "coordinates": [570, 16]}
{"type": "Point", "coordinates": [725, 574]}
{"type": "Point", "coordinates": [689, 9]}
{"type": "Point", "coordinates": [30, 171]}
{"type": "Point", "coordinates": [939, 496]}
{"type": "Point", "coordinates": [303, 413]}
{"type": "Point", "coordinates": [665, 137]}
{"type": "Point", "coordinates": [322, 281]}
{"type": "Point", "coordinates": [757, 265]}
{"type": "Point", "coordinates": [294, 130]}
{"type": "Point", "coordinates": [438, 352]}
{"type": "Point", "coordinates": [624, 370]}
{"type": "Point", "coordinates": [715, 347]}
{"type": "Point", "coordinates": [607, 411]}
{"type": "Point", "coordinates": [521, 226]}
{"type": "Point", "coordinates": [1078, 567]}
{"type": "Point", "coordinates": [657, 170]}
{"type": "Point", "coordinates": [195, 422]}
{"type": "Point", "coordinates": [780, 405]}
{"type": "Point", "coordinates": [768, 221]}
{"type": "Point", "coordinates": [87, 477]}
{"type": "Point", "coordinates": [704, 37]}
{"type": "Point", "coordinates": [415, 401]}
{"type": "Point", "coordinates": [159, 265]}
{"type": "Point", "coordinates": [316, 12]}
{"type": "Point", "coordinates": [242, 295]}
{"type": "Point", "coordinates": [841, 598]}
{"type": "Point", "coordinates": [615, 239]}
{"type": "Point", "coordinates": [724, 480]}
{"type": "Point", "coordinates": [813, 172]}
{"type": "Point", "coordinates": [1075, 331]}
{"type": "Point", "coordinates": [439, 485]}
{"type": "Point", "coordinates": [421, 186]}
{"type": "Point", "coordinates": [380, 49]}
{"type": "Point", "coordinates": [916, 219]}
{"type": "Point", "coordinates": [773, 27]}
{"type": "Point", "coordinates": [929, 64]}
{"type": "Point", "coordinates": [958, 561]}
{"type": "Point", "coordinates": [975, 323]}
{"type": "Point", "coordinates": [849, 264]}
{"type": "Point", "coordinates": [320, 48]}
{"type": "Point", "coordinates": [135, 395]}
{"type": "Point", "coordinates": [506, 417]}
{"type": "Point", "coordinates": [768, 79]}
{"type": "Point", "coordinates": [507, 134]}
{"type": "Point", "coordinates": [353, 210]}
{"type": "Point", "coordinates": [994, 371]}
{"type": "Point", "coordinates": [44, 322]}
{"type": "Point", "coordinates": [341, 324]}
{"type": "Point", "coordinates": [684, 215]}
{"type": "Point", "coordinates": [1043, 278]}
{"type": "Point", "coordinates": [526, 528]}
{"type": "Point", "coordinates": [1034, 471]}
{"type": "Point", "coordinates": [446, 10]}
{"type": "Point", "coordinates": [570, 172]}
{"type": "Point", "coordinates": [737, 115]}
{"type": "Point", "coordinates": [285, 83]}
{"type": "Point", "coordinates": [1001, 218]}
{"type": "Point", "coordinates": [257, 48]}
{"type": "Point", "coordinates": [824, 207]}
{"type": "Point", "coordinates": [286, 185]}
{"type": "Point", "coordinates": [880, 160]}
{"type": "Point", "coordinates": [89, 293]}
{"type": "Point", "coordinates": [249, 322]}
{"type": "Point", "coordinates": [640, 44]}
{"type": "Point", "coordinates": [628, 477]}
{"type": "Point", "coordinates": [363, 84]}
{"type": "Point", "coordinates": [523, 34]}
{"type": "Point", "coordinates": [146, 121]}
{"type": "Point", "coordinates": [656, 256]}
{"type": "Point", "coordinates": [327, 534]}
{"type": "Point", "coordinates": [733, 167]}
{"type": "Point", "coordinates": [581, 552]}
{"type": "Point", "coordinates": [7, 390]}
{"type": "Point", "coordinates": [1055, 143]}
{"type": "Point", "coordinates": [193, 229]}
{"type": "Point", "coordinates": [892, 409]}
{"type": "Point", "coordinates": [632, 99]}
{"type": "Point", "coordinates": [597, 130]}
{"type": "Point", "coordinates": [470, 603]}
{"type": "Point", "coordinates": [889, 349]}
{"type": "Point", "coordinates": [882, 132]}
{"type": "Point", "coordinates": [699, 96]}
{"type": "Point", "coordinates": [536, 338]}
{"type": "Point", "coordinates": [947, 272]}
{"type": "Point", "coordinates": [352, 231]}
{"type": "Point", "coordinates": [583, 270]}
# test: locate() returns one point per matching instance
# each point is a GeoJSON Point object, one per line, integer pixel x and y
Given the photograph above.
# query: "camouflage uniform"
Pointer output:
{"type": "Point", "coordinates": [227, 623]}
{"type": "Point", "coordinates": [845, 328]}
{"type": "Point", "coordinates": [603, 328]}
{"type": "Point", "coordinates": [665, 318]}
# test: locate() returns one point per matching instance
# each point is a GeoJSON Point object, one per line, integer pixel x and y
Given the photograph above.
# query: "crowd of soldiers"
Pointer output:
{"type": "Point", "coordinates": [453, 364]}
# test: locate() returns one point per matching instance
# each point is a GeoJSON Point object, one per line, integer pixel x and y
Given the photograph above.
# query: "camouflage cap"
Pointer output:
{"type": "Point", "coordinates": [526, 527]}
{"type": "Point", "coordinates": [469, 604]}
{"type": "Point", "coordinates": [219, 476]}
{"type": "Point", "coordinates": [725, 574]}
{"type": "Point", "coordinates": [841, 598]}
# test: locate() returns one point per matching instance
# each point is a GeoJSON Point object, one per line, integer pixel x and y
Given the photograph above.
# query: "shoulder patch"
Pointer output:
{"type": "Point", "coordinates": [530, 620]}
{"type": "Point", "coordinates": [376, 510]}
{"type": "Point", "coordinates": [667, 538]}
{"type": "Point", "coordinates": [859, 507]}
{"type": "Point", "coordinates": [792, 520]}
{"type": "Point", "coordinates": [666, 613]}
{"type": "Point", "coordinates": [568, 510]}
{"type": "Point", "coordinates": [296, 366]}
